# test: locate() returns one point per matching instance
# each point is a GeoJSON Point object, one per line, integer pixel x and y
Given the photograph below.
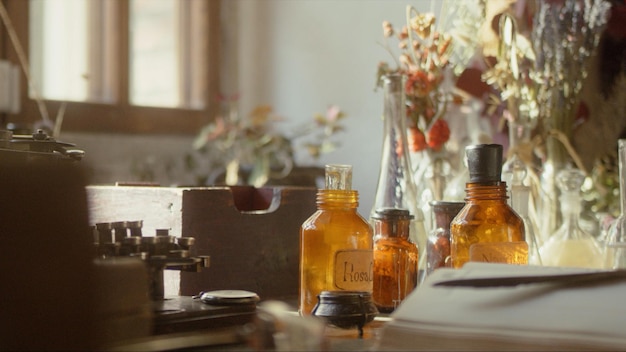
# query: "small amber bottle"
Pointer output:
{"type": "Point", "coordinates": [335, 242]}
{"type": "Point", "coordinates": [395, 258]}
{"type": "Point", "coordinates": [487, 229]}
{"type": "Point", "coordinates": [438, 250]}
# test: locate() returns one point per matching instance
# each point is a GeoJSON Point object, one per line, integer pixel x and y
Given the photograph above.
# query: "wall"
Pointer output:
{"type": "Point", "coordinates": [301, 56]}
{"type": "Point", "coordinates": [298, 56]}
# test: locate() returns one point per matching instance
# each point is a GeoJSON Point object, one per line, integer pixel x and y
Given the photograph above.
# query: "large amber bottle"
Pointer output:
{"type": "Point", "coordinates": [487, 229]}
{"type": "Point", "coordinates": [335, 242]}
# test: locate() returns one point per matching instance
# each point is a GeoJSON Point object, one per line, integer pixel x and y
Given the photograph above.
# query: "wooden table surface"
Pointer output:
{"type": "Point", "coordinates": [230, 340]}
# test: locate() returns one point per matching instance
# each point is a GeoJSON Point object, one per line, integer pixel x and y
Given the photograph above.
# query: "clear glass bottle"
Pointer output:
{"type": "Point", "coordinates": [438, 249]}
{"type": "Point", "coordinates": [335, 242]}
{"type": "Point", "coordinates": [520, 195]}
{"type": "Point", "coordinates": [570, 245]}
{"type": "Point", "coordinates": [487, 229]}
{"type": "Point", "coordinates": [395, 258]}
{"type": "Point", "coordinates": [396, 184]}
{"type": "Point", "coordinates": [615, 243]}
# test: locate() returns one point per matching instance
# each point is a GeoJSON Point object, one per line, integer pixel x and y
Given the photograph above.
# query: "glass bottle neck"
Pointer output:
{"type": "Point", "coordinates": [395, 187]}
{"type": "Point", "coordinates": [519, 199]}
{"type": "Point", "coordinates": [570, 209]}
{"type": "Point", "coordinates": [570, 206]}
{"type": "Point", "coordinates": [444, 213]}
{"type": "Point", "coordinates": [337, 199]}
{"type": "Point", "coordinates": [392, 228]}
{"type": "Point", "coordinates": [518, 132]}
{"type": "Point", "coordinates": [495, 191]}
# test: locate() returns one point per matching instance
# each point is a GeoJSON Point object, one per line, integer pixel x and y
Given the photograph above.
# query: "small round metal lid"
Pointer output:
{"type": "Point", "coordinates": [344, 297]}
{"type": "Point", "coordinates": [443, 205]}
{"type": "Point", "coordinates": [229, 297]}
{"type": "Point", "coordinates": [392, 214]}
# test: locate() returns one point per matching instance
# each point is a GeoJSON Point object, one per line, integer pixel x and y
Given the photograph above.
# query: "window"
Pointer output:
{"type": "Point", "coordinates": [120, 66]}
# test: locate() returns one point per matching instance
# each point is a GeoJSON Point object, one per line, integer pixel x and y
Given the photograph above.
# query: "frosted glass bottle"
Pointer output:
{"type": "Point", "coordinates": [396, 184]}
{"type": "Point", "coordinates": [570, 245]}
{"type": "Point", "coordinates": [335, 242]}
{"type": "Point", "coordinates": [487, 229]}
{"type": "Point", "coordinates": [615, 245]}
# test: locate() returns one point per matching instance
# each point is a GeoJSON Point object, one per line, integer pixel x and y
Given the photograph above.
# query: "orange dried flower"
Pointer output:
{"type": "Point", "coordinates": [416, 139]}
{"type": "Point", "coordinates": [423, 60]}
{"type": "Point", "coordinates": [404, 33]}
{"type": "Point", "coordinates": [438, 134]}
{"type": "Point", "coordinates": [418, 84]}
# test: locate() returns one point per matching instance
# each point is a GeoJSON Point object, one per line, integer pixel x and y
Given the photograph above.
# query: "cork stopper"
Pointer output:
{"type": "Point", "coordinates": [484, 162]}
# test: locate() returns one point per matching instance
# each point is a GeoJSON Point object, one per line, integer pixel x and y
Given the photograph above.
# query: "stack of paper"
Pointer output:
{"type": "Point", "coordinates": [527, 317]}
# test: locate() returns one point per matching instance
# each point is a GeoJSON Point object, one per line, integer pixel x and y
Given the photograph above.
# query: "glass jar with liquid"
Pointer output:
{"type": "Point", "coordinates": [395, 258]}
{"type": "Point", "coordinates": [487, 229]}
{"type": "Point", "coordinates": [335, 242]}
{"type": "Point", "coordinates": [571, 245]}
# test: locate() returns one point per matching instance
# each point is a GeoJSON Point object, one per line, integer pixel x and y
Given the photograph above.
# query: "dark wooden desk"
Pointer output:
{"type": "Point", "coordinates": [348, 340]}
{"type": "Point", "coordinates": [230, 339]}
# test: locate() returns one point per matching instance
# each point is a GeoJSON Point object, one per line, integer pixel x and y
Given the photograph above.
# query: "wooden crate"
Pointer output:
{"type": "Point", "coordinates": [251, 234]}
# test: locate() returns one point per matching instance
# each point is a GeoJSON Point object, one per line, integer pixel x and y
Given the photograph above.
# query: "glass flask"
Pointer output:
{"type": "Point", "coordinates": [487, 229]}
{"type": "Point", "coordinates": [396, 184]}
{"type": "Point", "coordinates": [395, 258]}
{"type": "Point", "coordinates": [615, 245]}
{"type": "Point", "coordinates": [570, 245]}
{"type": "Point", "coordinates": [520, 195]}
{"type": "Point", "coordinates": [335, 242]}
{"type": "Point", "coordinates": [438, 249]}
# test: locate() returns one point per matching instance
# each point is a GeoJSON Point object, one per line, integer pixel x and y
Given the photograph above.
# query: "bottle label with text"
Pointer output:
{"type": "Point", "coordinates": [354, 270]}
{"type": "Point", "coordinates": [499, 252]}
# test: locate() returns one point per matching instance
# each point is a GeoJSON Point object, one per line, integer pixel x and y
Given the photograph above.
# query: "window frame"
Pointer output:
{"type": "Point", "coordinates": [121, 117]}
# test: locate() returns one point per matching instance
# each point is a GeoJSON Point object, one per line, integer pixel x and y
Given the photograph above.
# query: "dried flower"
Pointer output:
{"type": "Point", "coordinates": [426, 56]}
{"type": "Point", "coordinates": [564, 37]}
{"type": "Point", "coordinates": [232, 142]}
{"type": "Point", "coordinates": [417, 139]}
{"type": "Point", "coordinates": [387, 29]}
{"type": "Point", "coordinates": [422, 24]}
{"type": "Point", "coordinates": [512, 76]}
{"type": "Point", "coordinates": [438, 134]}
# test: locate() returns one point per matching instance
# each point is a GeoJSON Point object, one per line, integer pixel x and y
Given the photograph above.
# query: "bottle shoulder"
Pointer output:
{"type": "Point", "coordinates": [336, 215]}
{"type": "Point", "coordinates": [387, 243]}
{"type": "Point", "coordinates": [488, 211]}
{"type": "Point", "coordinates": [337, 221]}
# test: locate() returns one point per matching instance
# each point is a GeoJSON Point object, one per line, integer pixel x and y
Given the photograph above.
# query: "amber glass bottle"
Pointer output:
{"type": "Point", "coordinates": [487, 229]}
{"type": "Point", "coordinates": [395, 258]}
{"type": "Point", "coordinates": [438, 250]}
{"type": "Point", "coordinates": [335, 242]}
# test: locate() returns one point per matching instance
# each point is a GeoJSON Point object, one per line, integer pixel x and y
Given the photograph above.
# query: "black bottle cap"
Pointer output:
{"type": "Point", "coordinates": [484, 162]}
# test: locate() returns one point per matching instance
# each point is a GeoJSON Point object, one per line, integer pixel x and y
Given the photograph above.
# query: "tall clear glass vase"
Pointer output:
{"type": "Point", "coordinates": [396, 186]}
